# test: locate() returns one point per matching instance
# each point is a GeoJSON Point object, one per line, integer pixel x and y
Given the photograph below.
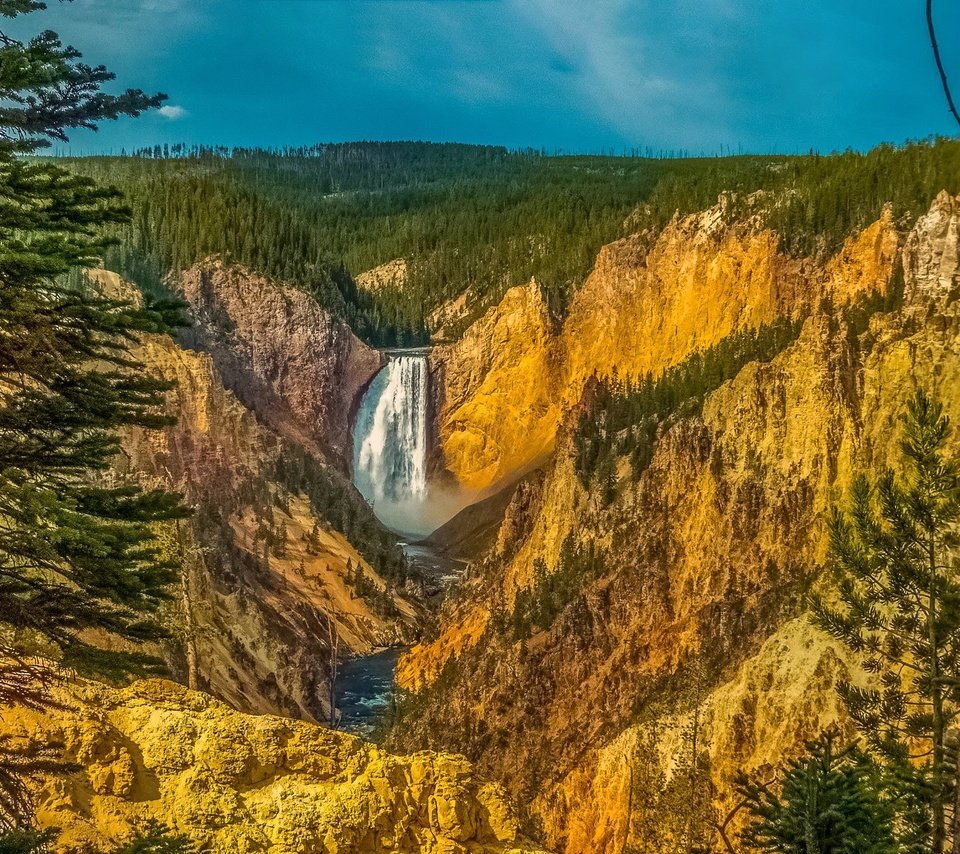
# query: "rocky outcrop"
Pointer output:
{"type": "Point", "coordinates": [650, 301]}
{"type": "Point", "coordinates": [235, 782]}
{"type": "Point", "coordinates": [266, 581]}
{"type": "Point", "coordinates": [500, 402]}
{"type": "Point", "coordinates": [706, 557]}
{"type": "Point", "coordinates": [393, 275]}
{"type": "Point", "coordinates": [299, 368]}
{"type": "Point", "coordinates": [753, 722]}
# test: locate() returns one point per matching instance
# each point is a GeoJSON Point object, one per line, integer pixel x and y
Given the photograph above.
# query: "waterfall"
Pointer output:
{"type": "Point", "coordinates": [390, 437]}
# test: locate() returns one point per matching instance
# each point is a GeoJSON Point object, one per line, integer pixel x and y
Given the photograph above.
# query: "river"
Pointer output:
{"type": "Point", "coordinates": [365, 683]}
{"type": "Point", "coordinates": [363, 689]}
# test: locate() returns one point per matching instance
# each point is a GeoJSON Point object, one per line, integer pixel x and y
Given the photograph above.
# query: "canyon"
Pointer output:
{"type": "Point", "coordinates": [573, 731]}
{"type": "Point", "coordinates": [412, 497]}
{"type": "Point", "coordinates": [676, 626]}
{"type": "Point", "coordinates": [266, 554]}
{"type": "Point", "coordinates": [650, 300]}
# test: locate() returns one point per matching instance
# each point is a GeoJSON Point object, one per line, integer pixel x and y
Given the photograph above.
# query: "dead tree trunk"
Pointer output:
{"type": "Point", "coordinates": [190, 640]}
{"type": "Point", "coordinates": [333, 641]}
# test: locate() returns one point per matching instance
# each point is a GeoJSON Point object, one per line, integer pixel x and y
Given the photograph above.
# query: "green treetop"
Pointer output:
{"type": "Point", "coordinates": [76, 549]}
{"type": "Point", "coordinates": [894, 554]}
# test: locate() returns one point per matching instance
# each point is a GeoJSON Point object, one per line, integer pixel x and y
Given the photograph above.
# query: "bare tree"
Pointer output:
{"type": "Point", "coordinates": [936, 56]}
{"type": "Point", "coordinates": [333, 641]}
{"type": "Point", "coordinates": [190, 629]}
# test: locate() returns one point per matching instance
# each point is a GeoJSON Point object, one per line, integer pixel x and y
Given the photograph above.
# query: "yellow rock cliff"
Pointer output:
{"type": "Point", "coordinates": [707, 556]}
{"type": "Point", "coordinates": [648, 303]}
{"type": "Point", "coordinates": [243, 783]}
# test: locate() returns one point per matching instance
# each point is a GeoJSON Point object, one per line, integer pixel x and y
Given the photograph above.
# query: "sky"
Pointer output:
{"type": "Point", "coordinates": [701, 76]}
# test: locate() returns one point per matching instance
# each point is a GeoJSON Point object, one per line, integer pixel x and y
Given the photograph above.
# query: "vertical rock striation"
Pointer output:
{"type": "Point", "coordinates": [299, 368]}
{"type": "Point", "coordinates": [500, 394]}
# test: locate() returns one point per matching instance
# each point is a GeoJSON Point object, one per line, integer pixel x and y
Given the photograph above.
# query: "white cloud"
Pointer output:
{"type": "Point", "coordinates": [172, 112]}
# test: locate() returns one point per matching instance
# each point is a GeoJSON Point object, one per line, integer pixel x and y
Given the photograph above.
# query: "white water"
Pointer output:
{"type": "Point", "coordinates": [392, 456]}
{"type": "Point", "coordinates": [391, 443]}
{"type": "Point", "coordinates": [391, 447]}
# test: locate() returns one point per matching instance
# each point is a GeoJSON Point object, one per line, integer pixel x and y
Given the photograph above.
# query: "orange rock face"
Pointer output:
{"type": "Point", "coordinates": [698, 608]}
{"type": "Point", "coordinates": [501, 400]}
{"type": "Point", "coordinates": [648, 304]}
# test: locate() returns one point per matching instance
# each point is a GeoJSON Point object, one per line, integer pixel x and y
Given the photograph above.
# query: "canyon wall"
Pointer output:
{"type": "Point", "coordinates": [298, 367]}
{"type": "Point", "coordinates": [502, 370]}
{"type": "Point", "coordinates": [706, 556]}
{"type": "Point", "coordinates": [271, 549]}
{"type": "Point", "coordinates": [235, 782]}
{"type": "Point", "coordinates": [649, 302]}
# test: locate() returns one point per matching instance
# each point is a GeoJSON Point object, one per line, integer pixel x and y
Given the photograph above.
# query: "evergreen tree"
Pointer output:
{"type": "Point", "coordinates": [76, 549]}
{"type": "Point", "coordinates": [26, 841]}
{"type": "Point", "coordinates": [21, 766]}
{"type": "Point", "coordinates": [899, 592]}
{"type": "Point", "coordinates": [45, 91]}
{"type": "Point", "coordinates": [829, 802]}
{"type": "Point", "coordinates": [157, 838]}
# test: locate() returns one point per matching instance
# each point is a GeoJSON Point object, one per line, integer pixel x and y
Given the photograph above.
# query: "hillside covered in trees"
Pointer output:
{"type": "Point", "coordinates": [476, 217]}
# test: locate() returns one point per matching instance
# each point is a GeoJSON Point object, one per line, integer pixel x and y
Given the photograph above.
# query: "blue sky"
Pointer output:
{"type": "Point", "coordinates": [581, 75]}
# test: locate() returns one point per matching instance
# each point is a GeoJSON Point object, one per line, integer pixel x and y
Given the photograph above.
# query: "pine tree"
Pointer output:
{"type": "Point", "coordinates": [829, 802]}
{"type": "Point", "coordinates": [899, 591]}
{"type": "Point", "coordinates": [76, 549]}
{"type": "Point", "coordinates": [26, 841]}
{"type": "Point", "coordinates": [22, 765]}
{"type": "Point", "coordinates": [157, 838]}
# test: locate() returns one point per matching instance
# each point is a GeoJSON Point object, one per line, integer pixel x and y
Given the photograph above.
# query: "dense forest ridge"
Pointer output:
{"type": "Point", "coordinates": [471, 219]}
{"type": "Point", "coordinates": [613, 593]}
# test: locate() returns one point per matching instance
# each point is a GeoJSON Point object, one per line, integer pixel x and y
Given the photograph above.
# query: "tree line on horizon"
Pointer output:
{"type": "Point", "coordinates": [475, 218]}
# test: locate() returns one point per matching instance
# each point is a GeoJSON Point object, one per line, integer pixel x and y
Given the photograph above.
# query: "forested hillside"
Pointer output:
{"type": "Point", "coordinates": [476, 217]}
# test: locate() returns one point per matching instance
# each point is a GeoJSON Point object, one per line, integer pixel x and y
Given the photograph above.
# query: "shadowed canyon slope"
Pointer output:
{"type": "Point", "coordinates": [284, 357]}
{"type": "Point", "coordinates": [650, 301]}
{"type": "Point", "coordinates": [266, 553]}
{"type": "Point", "coordinates": [574, 715]}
